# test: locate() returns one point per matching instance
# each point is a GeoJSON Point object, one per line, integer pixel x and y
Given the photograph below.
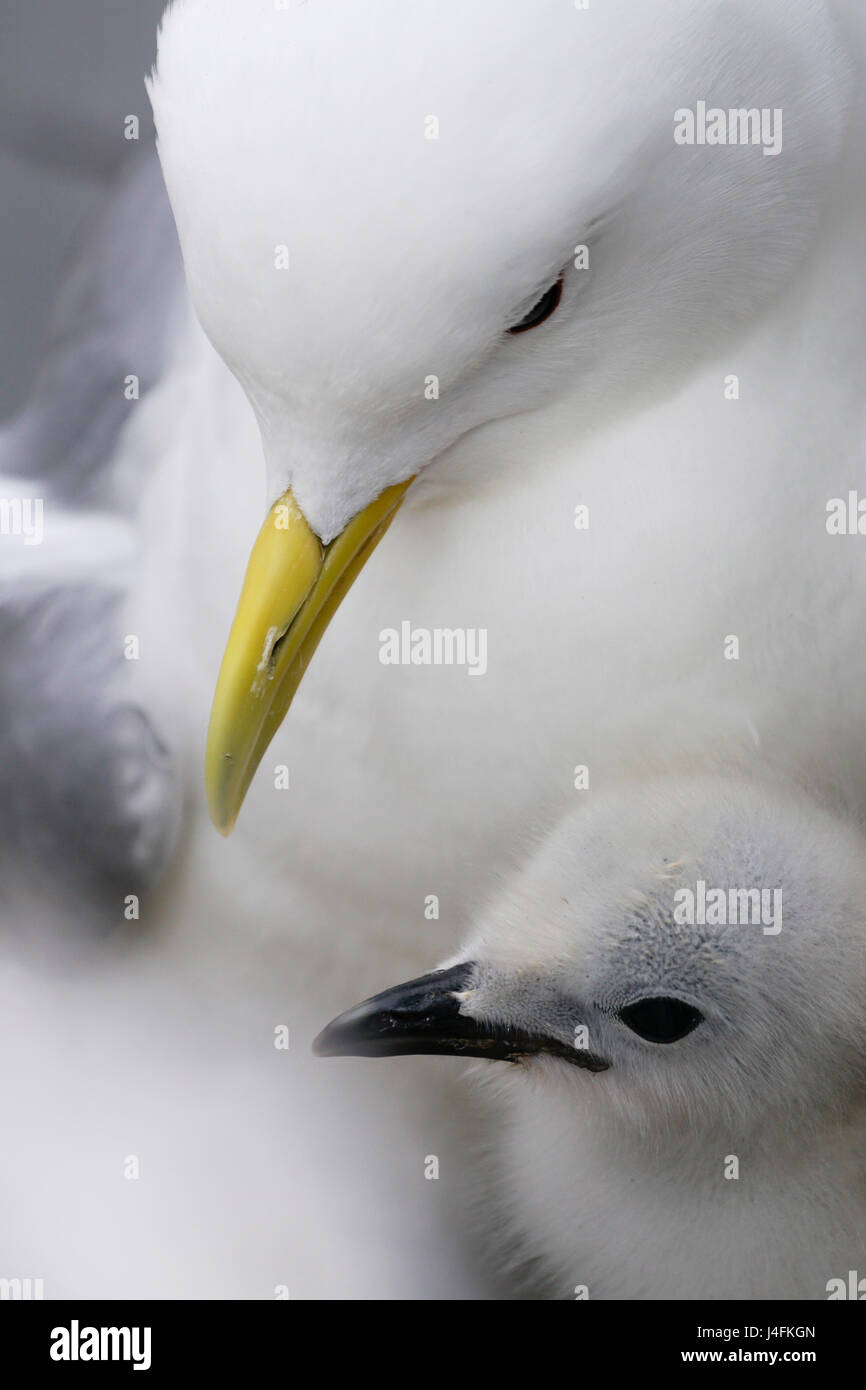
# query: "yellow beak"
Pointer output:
{"type": "Point", "coordinates": [293, 587]}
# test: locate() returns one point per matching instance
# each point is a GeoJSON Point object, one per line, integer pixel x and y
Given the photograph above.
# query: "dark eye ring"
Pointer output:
{"type": "Point", "coordinates": [546, 305]}
{"type": "Point", "coordinates": [660, 1020]}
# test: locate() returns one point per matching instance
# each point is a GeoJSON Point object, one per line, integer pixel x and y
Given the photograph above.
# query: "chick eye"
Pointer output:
{"type": "Point", "coordinates": [542, 310]}
{"type": "Point", "coordinates": [660, 1020]}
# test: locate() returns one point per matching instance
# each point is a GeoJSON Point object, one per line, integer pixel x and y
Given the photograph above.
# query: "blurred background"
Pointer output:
{"type": "Point", "coordinates": [69, 75]}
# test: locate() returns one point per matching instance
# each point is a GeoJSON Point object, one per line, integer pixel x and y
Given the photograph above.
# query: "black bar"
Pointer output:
{"type": "Point", "coordinates": [221, 1339]}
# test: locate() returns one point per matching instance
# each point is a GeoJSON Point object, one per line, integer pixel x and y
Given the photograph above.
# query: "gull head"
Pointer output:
{"type": "Point", "coordinates": [683, 956]}
{"type": "Point", "coordinates": [401, 223]}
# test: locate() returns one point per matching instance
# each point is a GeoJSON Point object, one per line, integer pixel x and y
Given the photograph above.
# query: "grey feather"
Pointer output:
{"type": "Point", "coordinates": [88, 792]}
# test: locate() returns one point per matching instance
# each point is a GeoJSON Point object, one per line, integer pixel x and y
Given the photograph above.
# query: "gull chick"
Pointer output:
{"type": "Point", "coordinates": [684, 1116]}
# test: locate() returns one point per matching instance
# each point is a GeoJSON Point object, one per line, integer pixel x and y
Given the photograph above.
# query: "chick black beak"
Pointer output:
{"type": "Point", "coordinates": [424, 1016]}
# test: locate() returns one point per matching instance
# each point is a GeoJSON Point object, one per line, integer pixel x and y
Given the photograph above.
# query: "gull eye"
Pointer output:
{"type": "Point", "coordinates": [661, 1020]}
{"type": "Point", "coordinates": [540, 311]}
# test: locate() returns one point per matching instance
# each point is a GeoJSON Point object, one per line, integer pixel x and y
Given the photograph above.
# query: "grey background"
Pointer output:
{"type": "Point", "coordinates": [70, 71]}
